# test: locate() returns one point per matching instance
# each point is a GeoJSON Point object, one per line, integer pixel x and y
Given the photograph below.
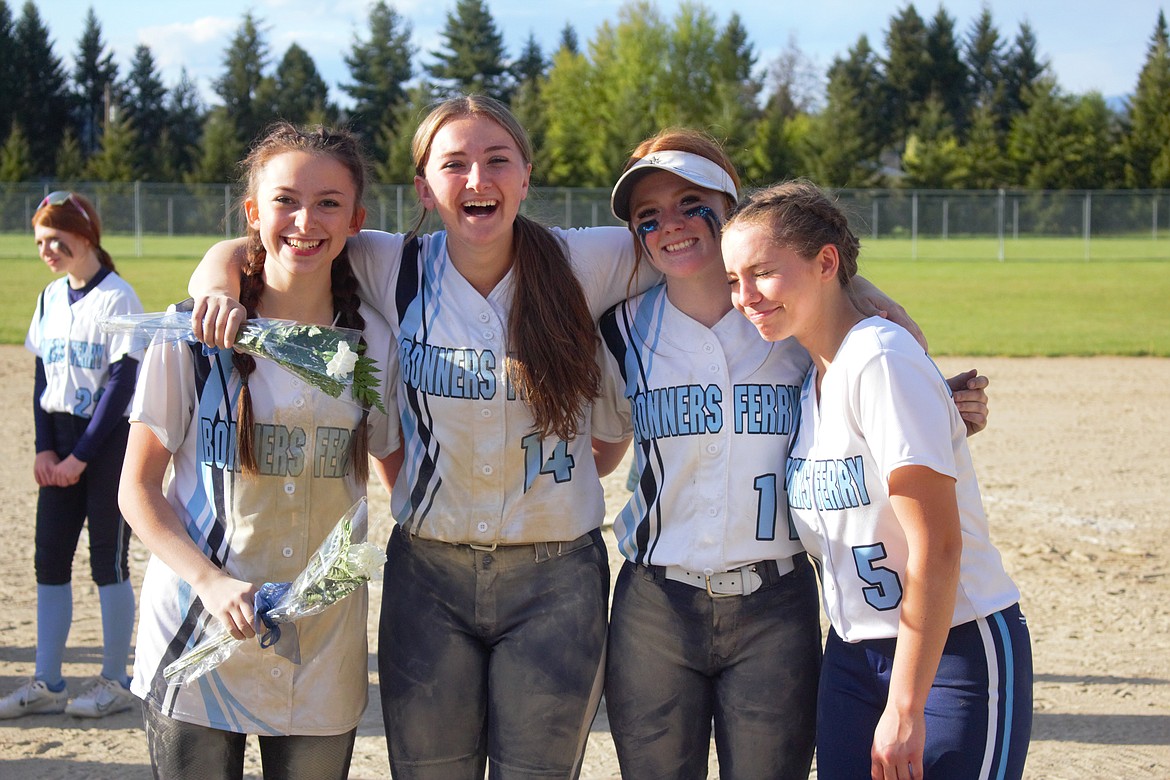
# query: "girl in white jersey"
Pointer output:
{"type": "Point", "coordinates": [84, 381]}
{"type": "Point", "coordinates": [714, 616]}
{"type": "Point", "coordinates": [927, 669]}
{"type": "Point", "coordinates": [264, 465]}
{"type": "Point", "coordinates": [494, 617]}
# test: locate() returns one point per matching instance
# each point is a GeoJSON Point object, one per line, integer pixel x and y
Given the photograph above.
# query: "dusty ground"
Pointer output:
{"type": "Point", "coordinates": [1075, 477]}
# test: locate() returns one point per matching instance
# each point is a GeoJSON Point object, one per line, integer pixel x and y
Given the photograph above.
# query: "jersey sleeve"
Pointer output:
{"type": "Point", "coordinates": [165, 398]}
{"type": "Point", "coordinates": [904, 411]}
{"type": "Point", "coordinates": [32, 340]}
{"type": "Point", "coordinates": [612, 420]}
{"type": "Point", "coordinates": [603, 259]}
{"type": "Point", "coordinates": [381, 348]}
{"type": "Point", "coordinates": [375, 257]}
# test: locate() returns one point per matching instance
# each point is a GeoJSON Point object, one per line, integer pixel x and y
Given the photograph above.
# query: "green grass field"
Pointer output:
{"type": "Point", "coordinates": [966, 301]}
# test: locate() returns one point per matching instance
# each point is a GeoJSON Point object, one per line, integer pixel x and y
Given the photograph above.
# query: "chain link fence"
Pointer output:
{"type": "Point", "coordinates": [1118, 224]}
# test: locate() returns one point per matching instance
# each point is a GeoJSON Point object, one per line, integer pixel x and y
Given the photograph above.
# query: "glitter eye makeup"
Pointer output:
{"type": "Point", "coordinates": [708, 215]}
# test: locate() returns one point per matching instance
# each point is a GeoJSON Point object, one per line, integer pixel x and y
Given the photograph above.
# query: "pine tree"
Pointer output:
{"type": "Point", "coordinates": [70, 161]}
{"type": "Point", "coordinates": [16, 163]}
{"type": "Point", "coordinates": [472, 59]}
{"type": "Point", "coordinates": [95, 75]}
{"type": "Point", "coordinates": [397, 166]}
{"type": "Point", "coordinates": [529, 72]}
{"type": "Point", "coordinates": [144, 104]}
{"type": "Point", "coordinates": [564, 157]}
{"type": "Point", "coordinates": [8, 83]}
{"type": "Point", "coordinates": [221, 149]}
{"type": "Point", "coordinates": [115, 160]}
{"type": "Point", "coordinates": [1023, 71]}
{"type": "Point", "coordinates": [848, 136]}
{"type": "Point", "coordinates": [932, 159]}
{"type": "Point", "coordinates": [568, 40]}
{"type": "Point", "coordinates": [983, 160]}
{"type": "Point", "coordinates": [243, 87]}
{"type": "Point", "coordinates": [41, 98]}
{"type": "Point", "coordinates": [1147, 143]}
{"type": "Point", "coordinates": [949, 82]}
{"type": "Point", "coordinates": [179, 146]}
{"type": "Point", "coordinates": [301, 96]}
{"type": "Point", "coordinates": [908, 74]}
{"type": "Point", "coordinates": [379, 67]}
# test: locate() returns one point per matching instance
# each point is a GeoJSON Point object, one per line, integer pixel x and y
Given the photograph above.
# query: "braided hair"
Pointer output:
{"type": "Point", "coordinates": [344, 147]}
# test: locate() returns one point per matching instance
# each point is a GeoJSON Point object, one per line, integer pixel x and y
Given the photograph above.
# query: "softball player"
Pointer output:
{"type": "Point", "coordinates": [927, 669]}
{"type": "Point", "coordinates": [226, 524]}
{"type": "Point", "coordinates": [84, 381]}
{"type": "Point", "coordinates": [714, 616]}
{"type": "Point", "coordinates": [493, 621]}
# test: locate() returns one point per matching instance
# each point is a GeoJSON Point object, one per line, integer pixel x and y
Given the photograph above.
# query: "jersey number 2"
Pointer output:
{"type": "Point", "coordinates": [559, 464]}
{"type": "Point", "coordinates": [86, 402]}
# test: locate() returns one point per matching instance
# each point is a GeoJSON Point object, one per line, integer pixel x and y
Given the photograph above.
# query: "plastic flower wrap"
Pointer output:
{"type": "Point", "coordinates": [343, 563]}
{"type": "Point", "coordinates": [329, 358]}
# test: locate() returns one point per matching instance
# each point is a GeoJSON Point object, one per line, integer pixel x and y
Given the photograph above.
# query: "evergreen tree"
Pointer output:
{"type": "Point", "coordinates": [397, 166]}
{"type": "Point", "coordinates": [300, 94]}
{"type": "Point", "coordinates": [908, 76]}
{"type": "Point", "coordinates": [243, 87]}
{"type": "Point", "coordinates": [773, 151]}
{"type": "Point", "coordinates": [734, 113]}
{"type": "Point", "coordinates": [380, 67]}
{"type": "Point", "coordinates": [984, 56]}
{"type": "Point", "coordinates": [949, 84]}
{"type": "Point", "coordinates": [1023, 71]}
{"type": "Point", "coordinates": [179, 145]}
{"type": "Point", "coordinates": [932, 159]}
{"type": "Point", "coordinates": [8, 83]}
{"type": "Point", "coordinates": [1147, 143]}
{"type": "Point", "coordinates": [569, 40]}
{"type": "Point", "coordinates": [144, 103]}
{"type": "Point", "coordinates": [472, 59]}
{"type": "Point", "coordinates": [95, 75]}
{"type": "Point", "coordinates": [529, 71]}
{"type": "Point", "coordinates": [70, 160]}
{"type": "Point", "coordinates": [16, 162]}
{"type": "Point", "coordinates": [849, 134]}
{"type": "Point", "coordinates": [1063, 141]}
{"type": "Point", "coordinates": [115, 160]}
{"type": "Point", "coordinates": [41, 97]}
{"type": "Point", "coordinates": [983, 160]}
{"type": "Point", "coordinates": [221, 149]}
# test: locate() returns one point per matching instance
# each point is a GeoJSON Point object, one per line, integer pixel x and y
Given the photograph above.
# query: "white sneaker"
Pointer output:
{"type": "Point", "coordinates": [32, 697]}
{"type": "Point", "coordinates": [104, 697]}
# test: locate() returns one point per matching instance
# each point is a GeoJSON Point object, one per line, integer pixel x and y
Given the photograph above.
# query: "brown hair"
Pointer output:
{"type": "Point", "coordinates": [345, 148]}
{"type": "Point", "coordinates": [799, 215]}
{"type": "Point", "coordinates": [78, 216]}
{"type": "Point", "coordinates": [678, 139]}
{"type": "Point", "coordinates": [552, 364]}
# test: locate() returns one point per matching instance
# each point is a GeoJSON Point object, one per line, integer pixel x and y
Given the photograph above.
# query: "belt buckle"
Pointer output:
{"type": "Point", "coordinates": [713, 594]}
{"type": "Point", "coordinates": [484, 547]}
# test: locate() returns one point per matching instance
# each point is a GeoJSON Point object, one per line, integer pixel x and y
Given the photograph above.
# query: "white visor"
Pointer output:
{"type": "Point", "coordinates": [693, 167]}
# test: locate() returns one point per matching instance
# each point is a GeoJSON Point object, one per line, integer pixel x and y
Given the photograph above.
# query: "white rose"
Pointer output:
{"type": "Point", "coordinates": [341, 365]}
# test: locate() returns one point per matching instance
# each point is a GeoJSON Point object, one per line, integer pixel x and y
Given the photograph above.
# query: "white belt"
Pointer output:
{"type": "Point", "coordinates": [738, 582]}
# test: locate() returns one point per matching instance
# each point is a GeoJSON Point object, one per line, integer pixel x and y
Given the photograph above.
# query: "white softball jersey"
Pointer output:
{"type": "Point", "coordinates": [711, 411]}
{"type": "Point", "coordinates": [76, 352]}
{"type": "Point", "coordinates": [475, 471]}
{"type": "Point", "coordinates": [260, 528]}
{"type": "Point", "coordinates": [883, 405]}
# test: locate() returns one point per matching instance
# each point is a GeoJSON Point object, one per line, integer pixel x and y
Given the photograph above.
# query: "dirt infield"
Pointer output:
{"type": "Point", "coordinates": [1076, 480]}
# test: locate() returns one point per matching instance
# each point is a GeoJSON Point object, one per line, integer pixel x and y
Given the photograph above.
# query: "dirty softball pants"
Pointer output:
{"type": "Point", "coordinates": [491, 658]}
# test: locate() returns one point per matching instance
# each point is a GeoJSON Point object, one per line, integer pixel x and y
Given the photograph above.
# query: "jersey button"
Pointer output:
{"type": "Point", "coordinates": [482, 527]}
{"type": "Point", "coordinates": [485, 413]}
{"type": "Point", "coordinates": [287, 552]}
{"type": "Point", "coordinates": [484, 316]}
{"type": "Point", "coordinates": [712, 448]}
{"type": "Point", "coordinates": [708, 348]}
{"type": "Point", "coordinates": [299, 402]}
{"type": "Point", "coordinates": [487, 469]}
{"type": "Point", "coordinates": [488, 335]}
{"type": "Point", "coordinates": [276, 673]}
{"type": "Point", "coordinates": [290, 488]}
{"type": "Point", "coordinates": [714, 369]}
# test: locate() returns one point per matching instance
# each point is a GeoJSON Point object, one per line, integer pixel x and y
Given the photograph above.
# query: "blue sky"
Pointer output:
{"type": "Point", "coordinates": [1091, 44]}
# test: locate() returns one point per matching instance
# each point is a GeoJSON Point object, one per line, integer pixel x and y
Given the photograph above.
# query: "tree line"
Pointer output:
{"type": "Point", "coordinates": [936, 107]}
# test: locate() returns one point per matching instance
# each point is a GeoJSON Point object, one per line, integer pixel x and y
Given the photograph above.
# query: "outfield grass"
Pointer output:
{"type": "Point", "coordinates": [1042, 306]}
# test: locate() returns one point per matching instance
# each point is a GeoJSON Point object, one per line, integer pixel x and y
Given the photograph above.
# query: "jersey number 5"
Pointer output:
{"type": "Point", "coordinates": [885, 589]}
